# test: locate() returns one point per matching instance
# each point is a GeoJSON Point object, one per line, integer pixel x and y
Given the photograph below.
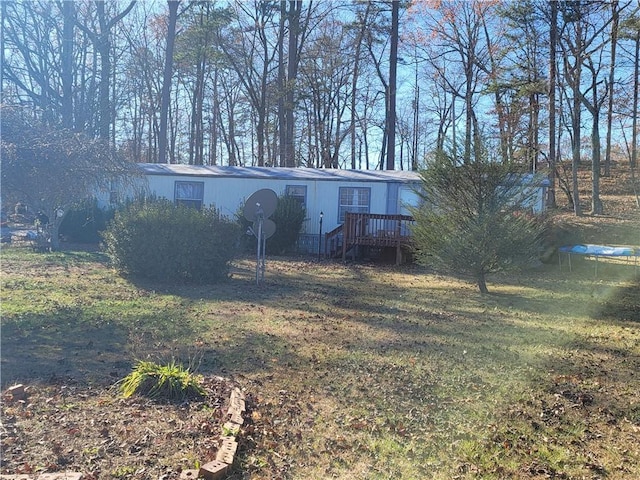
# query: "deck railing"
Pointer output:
{"type": "Point", "coordinates": [370, 229]}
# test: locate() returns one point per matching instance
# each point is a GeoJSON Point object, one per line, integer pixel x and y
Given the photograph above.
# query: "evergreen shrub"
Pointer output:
{"type": "Point", "coordinates": [288, 217]}
{"type": "Point", "coordinates": [85, 222]}
{"type": "Point", "coordinates": [160, 241]}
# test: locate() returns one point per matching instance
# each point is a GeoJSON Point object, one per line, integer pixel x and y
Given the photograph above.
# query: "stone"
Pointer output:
{"type": "Point", "coordinates": [227, 450]}
{"type": "Point", "coordinates": [236, 417]}
{"type": "Point", "coordinates": [213, 470]}
{"type": "Point", "coordinates": [190, 474]}
{"type": "Point", "coordinates": [61, 476]}
{"type": "Point", "coordinates": [237, 399]}
{"type": "Point", "coordinates": [16, 393]}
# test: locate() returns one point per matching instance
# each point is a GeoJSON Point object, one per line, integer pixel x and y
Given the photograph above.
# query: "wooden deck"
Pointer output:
{"type": "Point", "coordinates": [372, 230]}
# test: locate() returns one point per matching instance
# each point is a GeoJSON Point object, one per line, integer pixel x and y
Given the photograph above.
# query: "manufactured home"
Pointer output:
{"type": "Point", "coordinates": [367, 206]}
{"type": "Point", "coordinates": [325, 193]}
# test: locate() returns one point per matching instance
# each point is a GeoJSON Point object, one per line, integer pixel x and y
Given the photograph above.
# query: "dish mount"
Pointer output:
{"type": "Point", "coordinates": [257, 209]}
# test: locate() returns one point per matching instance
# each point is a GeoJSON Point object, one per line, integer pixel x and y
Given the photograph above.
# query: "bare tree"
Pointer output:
{"type": "Point", "coordinates": [361, 24]}
{"type": "Point", "coordinates": [393, 86]}
{"type": "Point", "coordinates": [101, 38]}
{"type": "Point", "coordinates": [615, 11]}
{"type": "Point", "coordinates": [249, 49]}
{"type": "Point", "coordinates": [553, 53]}
{"type": "Point", "coordinates": [66, 76]}
{"type": "Point", "coordinates": [456, 42]}
{"type": "Point", "coordinates": [325, 79]}
{"type": "Point", "coordinates": [31, 37]}
{"type": "Point", "coordinates": [166, 80]}
{"type": "Point", "coordinates": [584, 39]}
{"type": "Point", "coordinates": [630, 33]}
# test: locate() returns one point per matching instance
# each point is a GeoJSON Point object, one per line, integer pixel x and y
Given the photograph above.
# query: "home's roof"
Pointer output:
{"type": "Point", "coordinates": [277, 173]}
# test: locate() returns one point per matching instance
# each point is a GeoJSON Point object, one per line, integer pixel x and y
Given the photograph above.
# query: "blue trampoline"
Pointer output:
{"type": "Point", "coordinates": [597, 251]}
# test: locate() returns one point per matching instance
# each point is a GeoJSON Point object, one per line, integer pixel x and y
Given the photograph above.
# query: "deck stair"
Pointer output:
{"type": "Point", "coordinates": [370, 230]}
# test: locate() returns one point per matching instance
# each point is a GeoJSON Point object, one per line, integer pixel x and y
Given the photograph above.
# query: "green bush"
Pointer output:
{"type": "Point", "coordinates": [85, 222]}
{"type": "Point", "coordinates": [159, 241]}
{"type": "Point", "coordinates": [288, 217]}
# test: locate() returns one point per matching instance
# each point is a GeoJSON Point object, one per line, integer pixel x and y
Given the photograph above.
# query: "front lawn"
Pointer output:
{"type": "Point", "coordinates": [350, 371]}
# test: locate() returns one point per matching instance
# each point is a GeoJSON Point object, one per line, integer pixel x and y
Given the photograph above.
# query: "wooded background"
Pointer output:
{"type": "Point", "coordinates": [325, 84]}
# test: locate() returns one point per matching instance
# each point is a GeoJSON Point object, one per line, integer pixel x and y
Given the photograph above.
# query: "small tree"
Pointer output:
{"type": "Point", "coordinates": [473, 219]}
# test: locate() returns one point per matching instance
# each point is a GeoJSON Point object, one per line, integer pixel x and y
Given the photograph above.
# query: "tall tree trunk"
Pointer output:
{"type": "Point", "coordinates": [575, 77]}
{"type": "Point", "coordinates": [636, 88]}
{"type": "Point", "coordinates": [103, 46]}
{"type": "Point", "coordinates": [66, 77]}
{"type": "Point", "coordinates": [468, 105]}
{"type": "Point", "coordinates": [614, 43]}
{"type": "Point", "coordinates": [596, 202]}
{"type": "Point", "coordinates": [282, 119]}
{"type": "Point", "coordinates": [500, 110]}
{"type": "Point", "coordinates": [166, 81]}
{"type": "Point", "coordinates": [354, 82]}
{"type": "Point", "coordinates": [416, 123]}
{"type": "Point", "coordinates": [213, 149]}
{"type": "Point", "coordinates": [102, 43]}
{"type": "Point", "coordinates": [575, 151]}
{"type": "Point", "coordinates": [553, 41]}
{"type": "Point", "coordinates": [594, 109]}
{"type": "Point", "coordinates": [295, 7]}
{"type": "Point", "coordinates": [393, 70]}
{"type": "Point", "coordinates": [532, 132]}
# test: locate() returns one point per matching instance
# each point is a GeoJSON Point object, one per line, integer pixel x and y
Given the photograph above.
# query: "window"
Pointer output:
{"type": "Point", "coordinates": [189, 194]}
{"type": "Point", "coordinates": [352, 199]}
{"type": "Point", "coordinates": [299, 192]}
{"type": "Point", "coordinates": [113, 192]}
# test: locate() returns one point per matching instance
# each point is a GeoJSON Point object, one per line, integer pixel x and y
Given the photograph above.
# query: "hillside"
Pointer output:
{"type": "Point", "coordinates": [619, 225]}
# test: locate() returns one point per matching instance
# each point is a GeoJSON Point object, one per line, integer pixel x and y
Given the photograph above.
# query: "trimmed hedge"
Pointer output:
{"type": "Point", "coordinates": [160, 241]}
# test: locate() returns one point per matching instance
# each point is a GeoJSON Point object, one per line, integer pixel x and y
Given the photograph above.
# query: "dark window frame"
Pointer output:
{"type": "Point", "coordinates": [195, 201]}
{"type": "Point", "coordinates": [302, 198]}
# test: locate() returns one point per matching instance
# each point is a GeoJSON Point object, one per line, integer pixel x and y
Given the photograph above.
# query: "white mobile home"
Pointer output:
{"type": "Point", "coordinates": [332, 192]}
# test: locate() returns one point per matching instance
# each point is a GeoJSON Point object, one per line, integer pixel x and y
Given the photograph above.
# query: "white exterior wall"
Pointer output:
{"type": "Point", "coordinates": [228, 188]}
{"type": "Point", "coordinates": [229, 193]}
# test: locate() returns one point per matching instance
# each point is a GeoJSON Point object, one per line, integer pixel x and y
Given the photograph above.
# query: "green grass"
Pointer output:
{"type": "Point", "coordinates": [361, 371]}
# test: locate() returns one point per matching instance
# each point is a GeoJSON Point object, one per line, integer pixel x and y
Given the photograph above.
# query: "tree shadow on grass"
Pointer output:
{"type": "Point", "coordinates": [622, 305]}
{"type": "Point", "coordinates": [50, 347]}
{"type": "Point", "coordinates": [82, 345]}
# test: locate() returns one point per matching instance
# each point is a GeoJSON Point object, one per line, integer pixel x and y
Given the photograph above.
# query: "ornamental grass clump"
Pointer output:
{"type": "Point", "coordinates": [161, 382]}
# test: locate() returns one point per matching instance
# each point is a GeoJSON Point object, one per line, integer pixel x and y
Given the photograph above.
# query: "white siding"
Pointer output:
{"type": "Point", "coordinates": [228, 194]}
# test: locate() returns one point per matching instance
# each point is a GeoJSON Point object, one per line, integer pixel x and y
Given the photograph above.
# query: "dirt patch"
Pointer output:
{"type": "Point", "coordinates": [69, 427]}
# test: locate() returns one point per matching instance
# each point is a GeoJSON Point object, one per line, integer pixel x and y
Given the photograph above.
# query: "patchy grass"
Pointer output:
{"type": "Point", "coordinates": [350, 371]}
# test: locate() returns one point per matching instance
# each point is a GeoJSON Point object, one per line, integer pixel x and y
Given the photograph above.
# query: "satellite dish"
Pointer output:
{"type": "Point", "coordinates": [268, 228]}
{"type": "Point", "coordinates": [265, 200]}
